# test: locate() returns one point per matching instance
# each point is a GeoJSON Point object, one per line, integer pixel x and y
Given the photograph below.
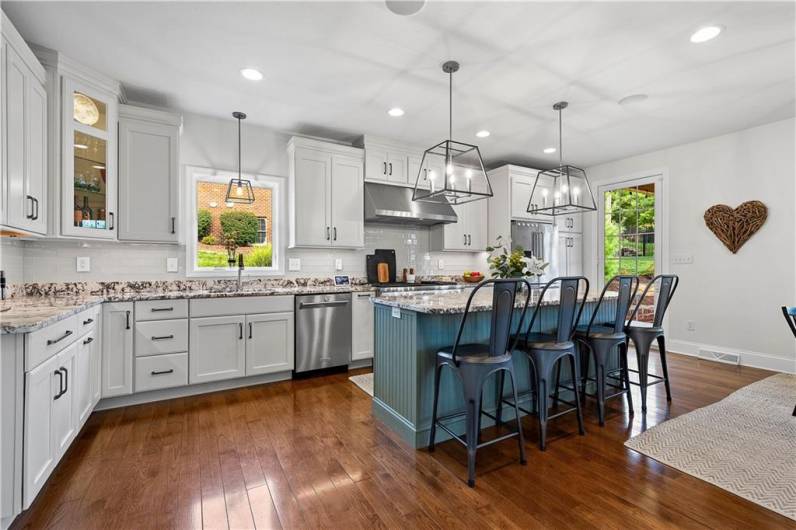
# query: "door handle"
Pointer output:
{"type": "Point", "coordinates": [240, 330]}
{"type": "Point", "coordinates": [469, 240]}
{"type": "Point", "coordinates": [88, 340]}
{"type": "Point", "coordinates": [366, 295]}
{"type": "Point", "coordinates": [127, 320]}
{"type": "Point", "coordinates": [327, 234]}
{"type": "Point", "coordinates": [385, 168]}
{"type": "Point", "coordinates": [30, 200]}
{"type": "Point", "coordinates": [158, 309]}
{"type": "Point", "coordinates": [164, 337]}
{"type": "Point", "coordinates": [112, 224]}
{"type": "Point", "coordinates": [60, 384]}
{"type": "Point", "coordinates": [173, 221]}
{"type": "Point", "coordinates": [465, 240]}
{"type": "Point", "coordinates": [66, 379]}
{"type": "Point", "coordinates": [50, 342]}
{"type": "Point", "coordinates": [36, 204]}
{"type": "Point", "coordinates": [250, 330]}
{"type": "Point", "coordinates": [162, 372]}
{"type": "Point", "coordinates": [335, 233]}
{"type": "Point", "coordinates": [88, 321]}
{"type": "Point", "coordinates": [390, 168]}
{"type": "Point", "coordinates": [310, 305]}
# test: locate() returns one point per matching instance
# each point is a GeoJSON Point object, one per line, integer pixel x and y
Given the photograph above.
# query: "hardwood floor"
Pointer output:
{"type": "Point", "coordinates": [308, 453]}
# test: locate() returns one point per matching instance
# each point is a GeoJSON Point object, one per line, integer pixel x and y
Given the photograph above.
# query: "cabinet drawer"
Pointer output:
{"type": "Point", "coordinates": [161, 336]}
{"type": "Point", "coordinates": [161, 371]}
{"type": "Point", "coordinates": [44, 343]}
{"type": "Point", "coordinates": [161, 310]}
{"type": "Point", "coordinates": [214, 307]}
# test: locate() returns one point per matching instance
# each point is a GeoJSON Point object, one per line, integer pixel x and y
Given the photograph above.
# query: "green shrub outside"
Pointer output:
{"type": "Point", "coordinates": [260, 256]}
{"type": "Point", "coordinates": [209, 239]}
{"type": "Point", "coordinates": [242, 226]}
{"type": "Point", "coordinates": [204, 222]}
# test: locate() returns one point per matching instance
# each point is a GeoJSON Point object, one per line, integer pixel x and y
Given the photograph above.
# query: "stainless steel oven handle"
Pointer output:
{"type": "Point", "coordinates": [310, 305]}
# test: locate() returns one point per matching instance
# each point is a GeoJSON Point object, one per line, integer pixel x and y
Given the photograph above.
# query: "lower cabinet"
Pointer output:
{"type": "Point", "coordinates": [83, 377]}
{"type": "Point", "coordinates": [362, 329]}
{"type": "Point", "coordinates": [269, 343]}
{"type": "Point", "coordinates": [570, 254]}
{"type": "Point", "coordinates": [161, 371]}
{"type": "Point", "coordinates": [117, 349]}
{"type": "Point", "coordinates": [217, 348]}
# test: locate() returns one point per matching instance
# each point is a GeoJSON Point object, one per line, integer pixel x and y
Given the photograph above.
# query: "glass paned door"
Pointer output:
{"type": "Point", "coordinates": [90, 182]}
{"type": "Point", "coordinates": [629, 237]}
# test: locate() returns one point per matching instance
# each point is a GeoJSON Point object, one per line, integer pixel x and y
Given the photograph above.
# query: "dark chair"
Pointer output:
{"type": "Point", "coordinates": [601, 338]}
{"type": "Point", "coordinates": [475, 363]}
{"type": "Point", "coordinates": [790, 317]}
{"type": "Point", "coordinates": [644, 335]}
{"type": "Point", "coordinates": [546, 351]}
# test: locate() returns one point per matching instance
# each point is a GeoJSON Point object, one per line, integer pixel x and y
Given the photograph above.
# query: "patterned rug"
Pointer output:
{"type": "Point", "coordinates": [745, 443]}
{"type": "Point", "coordinates": [364, 381]}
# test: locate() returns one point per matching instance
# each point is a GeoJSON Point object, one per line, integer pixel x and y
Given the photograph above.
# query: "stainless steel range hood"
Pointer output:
{"type": "Point", "coordinates": [393, 204]}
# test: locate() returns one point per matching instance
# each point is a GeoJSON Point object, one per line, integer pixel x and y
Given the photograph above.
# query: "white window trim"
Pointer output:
{"type": "Point", "coordinates": [277, 185]}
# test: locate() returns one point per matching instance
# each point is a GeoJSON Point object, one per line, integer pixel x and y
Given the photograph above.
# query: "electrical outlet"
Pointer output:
{"type": "Point", "coordinates": [441, 264]}
{"type": "Point", "coordinates": [83, 264]}
{"type": "Point", "coordinates": [172, 265]}
{"type": "Point", "coordinates": [294, 264]}
{"type": "Point", "coordinates": [338, 264]}
{"type": "Point", "coordinates": [691, 325]}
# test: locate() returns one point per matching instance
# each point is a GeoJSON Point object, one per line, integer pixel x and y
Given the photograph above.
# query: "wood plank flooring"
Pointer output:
{"type": "Point", "coordinates": [308, 454]}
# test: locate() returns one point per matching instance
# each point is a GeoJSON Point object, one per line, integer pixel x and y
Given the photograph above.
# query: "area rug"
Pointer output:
{"type": "Point", "coordinates": [745, 443]}
{"type": "Point", "coordinates": [363, 381]}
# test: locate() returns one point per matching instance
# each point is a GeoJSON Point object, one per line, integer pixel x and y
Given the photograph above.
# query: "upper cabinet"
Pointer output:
{"type": "Point", "coordinates": [468, 234]}
{"type": "Point", "coordinates": [326, 194]}
{"type": "Point", "coordinates": [82, 161]}
{"type": "Point", "coordinates": [394, 163]}
{"type": "Point", "coordinates": [512, 187]}
{"type": "Point", "coordinates": [149, 143]}
{"type": "Point", "coordinates": [23, 199]}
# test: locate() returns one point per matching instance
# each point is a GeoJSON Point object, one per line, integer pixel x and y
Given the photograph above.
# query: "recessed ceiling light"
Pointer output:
{"type": "Point", "coordinates": [405, 8]}
{"type": "Point", "coordinates": [705, 34]}
{"type": "Point", "coordinates": [633, 98]}
{"type": "Point", "coordinates": [482, 134]}
{"type": "Point", "coordinates": [81, 146]}
{"type": "Point", "coordinates": [396, 112]}
{"type": "Point", "coordinates": [549, 150]}
{"type": "Point", "coordinates": [252, 74]}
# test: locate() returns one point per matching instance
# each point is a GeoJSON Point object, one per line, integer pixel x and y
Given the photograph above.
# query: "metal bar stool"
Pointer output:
{"type": "Point", "coordinates": [546, 351]}
{"type": "Point", "coordinates": [790, 317]}
{"type": "Point", "coordinates": [475, 363]}
{"type": "Point", "coordinates": [643, 336]}
{"type": "Point", "coordinates": [600, 339]}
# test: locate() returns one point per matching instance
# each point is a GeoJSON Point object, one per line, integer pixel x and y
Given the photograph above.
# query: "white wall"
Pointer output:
{"type": "Point", "coordinates": [734, 300]}
{"type": "Point", "coordinates": [212, 142]}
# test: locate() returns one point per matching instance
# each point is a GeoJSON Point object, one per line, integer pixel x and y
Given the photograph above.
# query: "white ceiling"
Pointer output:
{"type": "Point", "coordinates": [334, 68]}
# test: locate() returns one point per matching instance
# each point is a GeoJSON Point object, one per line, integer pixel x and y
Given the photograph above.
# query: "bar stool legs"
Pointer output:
{"type": "Point", "coordinates": [642, 341]}
{"type": "Point", "coordinates": [664, 368]}
{"type": "Point", "coordinates": [542, 366]}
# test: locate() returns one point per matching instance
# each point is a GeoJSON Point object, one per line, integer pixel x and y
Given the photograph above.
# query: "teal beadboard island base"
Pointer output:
{"type": "Point", "coordinates": [411, 327]}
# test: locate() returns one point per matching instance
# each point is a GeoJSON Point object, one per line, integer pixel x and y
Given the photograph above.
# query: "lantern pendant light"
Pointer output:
{"type": "Point", "coordinates": [451, 172]}
{"type": "Point", "coordinates": [239, 190]}
{"type": "Point", "coordinates": [564, 190]}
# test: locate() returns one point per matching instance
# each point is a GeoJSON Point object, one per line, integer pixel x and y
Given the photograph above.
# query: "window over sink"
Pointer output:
{"type": "Point", "coordinates": [220, 230]}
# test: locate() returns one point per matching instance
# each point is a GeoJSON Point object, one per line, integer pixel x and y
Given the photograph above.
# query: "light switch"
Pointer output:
{"type": "Point", "coordinates": [338, 264]}
{"type": "Point", "coordinates": [83, 264]}
{"type": "Point", "coordinates": [440, 264]}
{"type": "Point", "coordinates": [172, 265]}
{"type": "Point", "coordinates": [682, 259]}
{"type": "Point", "coordinates": [294, 264]}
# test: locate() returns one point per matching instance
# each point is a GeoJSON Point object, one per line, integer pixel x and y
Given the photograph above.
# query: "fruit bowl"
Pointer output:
{"type": "Point", "coordinates": [473, 279]}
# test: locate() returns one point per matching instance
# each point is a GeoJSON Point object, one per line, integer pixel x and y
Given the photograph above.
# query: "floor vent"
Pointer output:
{"type": "Point", "coordinates": [722, 357]}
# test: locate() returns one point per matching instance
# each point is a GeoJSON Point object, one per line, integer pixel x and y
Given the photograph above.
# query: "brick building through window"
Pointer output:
{"type": "Point", "coordinates": [210, 196]}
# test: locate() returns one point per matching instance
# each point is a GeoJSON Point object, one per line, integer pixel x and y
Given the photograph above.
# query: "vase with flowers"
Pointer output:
{"type": "Point", "coordinates": [505, 263]}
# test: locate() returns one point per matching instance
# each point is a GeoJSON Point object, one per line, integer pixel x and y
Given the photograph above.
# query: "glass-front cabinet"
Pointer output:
{"type": "Point", "coordinates": [89, 122]}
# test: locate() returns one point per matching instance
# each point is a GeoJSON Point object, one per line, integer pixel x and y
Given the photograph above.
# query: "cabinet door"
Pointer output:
{"type": "Point", "coordinates": [560, 259]}
{"type": "Point", "coordinates": [396, 167]}
{"type": "Point", "coordinates": [312, 182]}
{"type": "Point", "coordinates": [521, 187]}
{"type": "Point", "coordinates": [64, 421]}
{"type": "Point", "coordinates": [117, 349]}
{"type": "Point", "coordinates": [269, 343]}
{"type": "Point", "coordinates": [456, 233]}
{"type": "Point", "coordinates": [88, 161]}
{"type": "Point", "coordinates": [414, 169]}
{"type": "Point", "coordinates": [36, 157]}
{"type": "Point", "coordinates": [20, 207]}
{"type": "Point", "coordinates": [95, 356]}
{"type": "Point", "coordinates": [477, 225]}
{"type": "Point", "coordinates": [43, 386]}
{"type": "Point", "coordinates": [575, 256]}
{"type": "Point", "coordinates": [83, 388]}
{"type": "Point", "coordinates": [362, 329]}
{"type": "Point", "coordinates": [148, 181]}
{"type": "Point", "coordinates": [570, 223]}
{"type": "Point", "coordinates": [217, 349]}
{"type": "Point", "coordinates": [375, 163]}
{"type": "Point", "coordinates": [347, 202]}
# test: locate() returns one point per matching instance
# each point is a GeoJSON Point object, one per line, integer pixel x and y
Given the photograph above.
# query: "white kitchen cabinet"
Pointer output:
{"type": "Point", "coordinates": [570, 223]}
{"type": "Point", "coordinates": [64, 423]}
{"type": "Point", "coordinates": [83, 383]}
{"type": "Point", "coordinates": [117, 349]}
{"type": "Point", "coordinates": [148, 174]}
{"type": "Point", "coordinates": [43, 386]}
{"type": "Point", "coordinates": [24, 136]}
{"type": "Point", "coordinates": [362, 326]}
{"type": "Point", "coordinates": [468, 234]}
{"type": "Point", "coordinates": [269, 343]}
{"type": "Point", "coordinates": [217, 348]}
{"type": "Point", "coordinates": [95, 356]}
{"type": "Point", "coordinates": [326, 195]}
{"type": "Point", "coordinates": [569, 254]}
{"type": "Point", "coordinates": [387, 164]}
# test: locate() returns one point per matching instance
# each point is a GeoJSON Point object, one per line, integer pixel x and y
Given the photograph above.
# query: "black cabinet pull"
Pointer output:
{"type": "Point", "coordinates": [250, 330]}
{"type": "Point", "coordinates": [390, 168]}
{"type": "Point", "coordinates": [37, 208]}
{"type": "Point", "coordinates": [385, 168]}
{"type": "Point", "coordinates": [88, 321]}
{"type": "Point", "coordinates": [173, 220]}
{"type": "Point", "coordinates": [335, 233]}
{"type": "Point", "coordinates": [60, 384]}
{"type": "Point", "coordinates": [465, 239]}
{"type": "Point", "coordinates": [66, 379]}
{"type": "Point", "coordinates": [158, 309]}
{"type": "Point", "coordinates": [50, 342]}
{"type": "Point", "coordinates": [164, 337]}
{"type": "Point", "coordinates": [88, 340]}
{"type": "Point", "coordinates": [30, 200]}
{"type": "Point", "coordinates": [112, 224]}
{"type": "Point", "coordinates": [127, 320]}
{"type": "Point", "coordinates": [162, 372]}
{"type": "Point", "coordinates": [240, 330]}
{"type": "Point", "coordinates": [328, 236]}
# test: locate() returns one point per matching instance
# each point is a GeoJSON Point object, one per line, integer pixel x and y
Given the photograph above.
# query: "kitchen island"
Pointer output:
{"type": "Point", "coordinates": [410, 327]}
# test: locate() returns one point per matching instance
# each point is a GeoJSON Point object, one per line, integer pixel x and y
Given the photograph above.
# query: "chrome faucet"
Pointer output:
{"type": "Point", "coordinates": [240, 269]}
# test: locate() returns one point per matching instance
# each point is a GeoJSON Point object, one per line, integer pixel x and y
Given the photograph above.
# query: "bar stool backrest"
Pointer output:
{"type": "Point", "coordinates": [668, 285]}
{"type": "Point", "coordinates": [628, 288]}
{"type": "Point", "coordinates": [790, 317]}
{"type": "Point", "coordinates": [569, 307]}
{"type": "Point", "coordinates": [504, 296]}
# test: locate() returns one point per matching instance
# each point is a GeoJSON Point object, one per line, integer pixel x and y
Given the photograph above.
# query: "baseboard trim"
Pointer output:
{"type": "Point", "coordinates": [190, 390]}
{"type": "Point", "coordinates": [748, 358]}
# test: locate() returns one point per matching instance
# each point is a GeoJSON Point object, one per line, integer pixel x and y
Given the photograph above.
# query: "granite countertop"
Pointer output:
{"type": "Point", "coordinates": [452, 301]}
{"type": "Point", "coordinates": [26, 313]}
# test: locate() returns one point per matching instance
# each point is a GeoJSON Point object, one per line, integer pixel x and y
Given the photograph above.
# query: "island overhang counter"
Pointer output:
{"type": "Point", "coordinates": [409, 329]}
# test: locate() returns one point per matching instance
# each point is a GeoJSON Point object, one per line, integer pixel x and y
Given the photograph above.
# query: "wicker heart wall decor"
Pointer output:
{"type": "Point", "coordinates": [734, 227]}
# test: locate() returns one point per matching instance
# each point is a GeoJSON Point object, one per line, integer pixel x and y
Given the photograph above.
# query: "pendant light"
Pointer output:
{"type": "Point", "coordinates": [239, 190]}
{"type": "Point", "coordinates": [564, 190]}
{"type": "Point", "coordinates": [451, 171]}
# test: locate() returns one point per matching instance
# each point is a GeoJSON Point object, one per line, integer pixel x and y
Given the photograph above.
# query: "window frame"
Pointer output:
{"type": "Point", "coordinates": [277, 186]}
{"type": "Point", "coordinates": [264, 231]}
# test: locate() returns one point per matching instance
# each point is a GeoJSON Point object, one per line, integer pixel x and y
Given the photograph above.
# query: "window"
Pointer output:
{"type": "Point", "coordinates": [220, 231]}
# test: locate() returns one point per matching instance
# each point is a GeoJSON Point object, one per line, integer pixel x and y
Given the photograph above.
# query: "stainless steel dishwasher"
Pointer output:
{"type": "Point", "coordinates": [323, 331]}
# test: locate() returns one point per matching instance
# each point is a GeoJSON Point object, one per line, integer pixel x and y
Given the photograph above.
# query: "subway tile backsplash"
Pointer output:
{"type": "Point", "coordinates": [54, 260]}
